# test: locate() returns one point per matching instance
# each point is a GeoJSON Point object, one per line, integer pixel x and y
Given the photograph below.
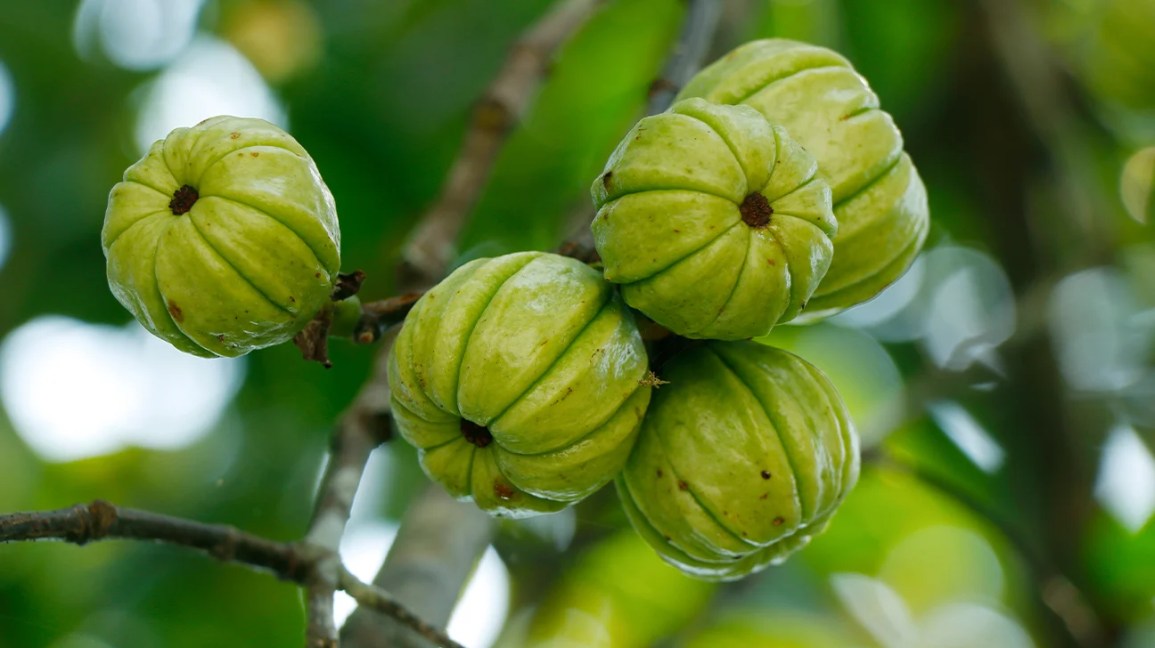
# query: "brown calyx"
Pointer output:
{"type": "Point", "coordinates": [183, 199]}
{"type": "Point", "coordinates": [756, 210]}
{"type": "Point", "coordinates": [476, 434]}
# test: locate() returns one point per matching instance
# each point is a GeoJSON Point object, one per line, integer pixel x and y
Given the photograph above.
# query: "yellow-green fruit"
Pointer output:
{"type": "Point", "coordinates": [594, 606]}
{"type": "Point", "coordinates": [714, 221]}
{"type": "Point", "coordinates": [519, 379]}
{"type": "Point", "coordinates": [742, 458]}
{"type": "Point", "coordinates": [1117, 57]}
{"type": "Point", "coordinates": [774, 628]}
{"type": "Point", "coordinates": [1137, 185]}
{"type": "Point", "coordinates": [223, 239]}
{"type": "Point", "coordinates": [879, 199]}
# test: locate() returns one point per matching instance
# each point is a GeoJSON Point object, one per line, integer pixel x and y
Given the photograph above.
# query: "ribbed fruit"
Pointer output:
{"type": "Point", "coordinates": [223, 238]}
{"type": "Point", "coordinates": [743, 457]}
{"type": "Point", "coordinates": [520, 381]}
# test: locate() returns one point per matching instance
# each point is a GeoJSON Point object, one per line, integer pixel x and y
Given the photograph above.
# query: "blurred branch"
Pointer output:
{"type": "Point", "coordinates": [688, 54]}
{"type": "Point", "coordinates": [1042, 191]}
{"type": "Point", "coordinates": [1060, 597]}
{"type": "Point", "coordinates": [504, 103]}
{"type": "Point", "coordinates": [376, 598]}
{"type": "Point", "coordinates": [363, 427]}
{"type": "Point", "coordinates": [101, 520]}
{"type": "Point", "coordinates": [1036, 82]}
{"type": "Point", "coordinates": [435, 552]}
{"type": "Point", "coordinates": [296, 562]}
{"type": "Point", "coordinates": [686, 57]}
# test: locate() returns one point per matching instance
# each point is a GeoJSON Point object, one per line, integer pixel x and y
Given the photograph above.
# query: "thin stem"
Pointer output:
{"type": "Point", "coordinates": [298, 562]}
{"type": "Point", "coordinates": [374, 598]}
{"type": "Point", "coordinates": [100, 520]}
{"type": "Point", "coordinates": [688, 54]}
{"type": "Point", "coordinates": [1058, 596]}
{"type": "Point", "coordinates": [686, 57]}
{"type": "Point", "coordinates": [363, 427]}
{"type": "Point", "coordinates": [498, 111]}
{"type": "Point", "coordinates": [435, 552]}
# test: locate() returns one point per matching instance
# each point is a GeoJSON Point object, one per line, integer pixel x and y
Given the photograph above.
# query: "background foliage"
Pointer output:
{"type": "Point", "coordinates": [1005, 388]}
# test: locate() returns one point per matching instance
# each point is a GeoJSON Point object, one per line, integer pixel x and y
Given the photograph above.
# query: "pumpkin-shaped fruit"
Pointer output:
{"type": "Point", "coordinates": [519, 379]}
{"type": "Point", "coordinates": [879, 199]}
{"type": "Point", "coordinates": [714, 221]}
{"type": "Point", "coordinates": [223, 238]}
{"type": "Point", "coordinates": [742, 458]}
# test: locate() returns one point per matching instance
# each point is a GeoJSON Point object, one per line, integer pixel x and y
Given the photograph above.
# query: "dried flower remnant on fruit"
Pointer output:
{"type": "Point", "coordinates": [756, 210]}
{"type": "Point", "coordinates": [183, 200]}
{"type": "Point", "coordinates": [475, 434]}
{"type": "Point", "coordinates": [878, 198]}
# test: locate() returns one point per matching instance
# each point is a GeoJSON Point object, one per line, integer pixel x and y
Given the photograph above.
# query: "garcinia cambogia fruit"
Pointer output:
{"type": "Point", "coordinates": [879, 199]}
{"type": "Point", "coordinates": [520, 381]}
{"type": "Point", "coordinates": [714, 221]}
{"type": "Point", "coordinates": [742, 458]}
{"type": "Point", "coordinates": [223, 239]}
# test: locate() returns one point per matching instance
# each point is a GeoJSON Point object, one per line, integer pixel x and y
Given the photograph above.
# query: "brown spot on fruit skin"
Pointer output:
{"type": "Point", "coordinates": [606, 180]}
{"type": "Point", "coordinates": [756, 210]}
{"type": "Point", "coordinates": [778, 521]}
{"type": "Point", "coordinates": [255, 154]}
{"type": "Point", "coordinates": [765, 474]}
{"type": "Point", "coordinates": [175, 311]}
{"type": "Point", "coordinates": [763, 496]}
{"type": "Point", "coordinates": [475, 434]}
{"type": "Point", "coordinates": [683, 485]}
{"type": "Point", "coordinates": [183, 200]}
{"type": "Point", "coordinates": [234, 135]}
{"type": "Point", "coordinates": [502, 490]}
{"type": "Point", "coordinates": [660, 473]}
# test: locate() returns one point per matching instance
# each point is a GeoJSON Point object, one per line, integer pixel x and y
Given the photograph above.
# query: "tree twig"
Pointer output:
{"type": "Point", "coordinates": [686, 57]}
{"type": "Point", "coordinates": [363, 427]}
{"type": "Point", "coordinates": [1056, 593]}
{"type": "Point", "coordinates": [297, 562]}
{"type": "Point", "coordinates": [430, 247]}
{"type": "Point", "coordinates": [376, 598]}
{"type": "Point", "coordinates": [689, 53]}
{"type": "Point", "coordinates": [100, 520]}
{"type": "Point", "coordinates": [433, 555]}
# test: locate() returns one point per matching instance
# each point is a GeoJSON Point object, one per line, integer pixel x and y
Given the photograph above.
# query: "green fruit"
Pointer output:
{"type": "Point", "coordinates": [879, 200]}
{"type": "Point", "coordinates": [594, 606]}
{"type": "Point", "coordinates": [1137, 185]}
{"type": "Point", "coordinates": [1116, 58]}
{"type": "Point", "coordinates": [519, 379]}
{"type": "Point", "coordinates": [742, 458]}
{"type": "Point", "coordinates": [714, 221]}
{"type": "Point", "coordinates": [223, 238]}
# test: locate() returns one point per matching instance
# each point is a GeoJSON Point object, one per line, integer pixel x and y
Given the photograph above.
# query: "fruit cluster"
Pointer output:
{"type": "Point", "coordinates": [773, 189]}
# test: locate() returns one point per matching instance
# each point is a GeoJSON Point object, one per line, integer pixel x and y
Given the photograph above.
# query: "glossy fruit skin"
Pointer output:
{"type": "Point", "coordinates": [879, 200]}
{"type": "Point", "coordinates": [519, 380]}
{"type": "Point", "coordinates": [223, 239]}
{"type": "Point", "coordinates": [714, 221]}
{"type": "Point", "coordinates": [743, 457]}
